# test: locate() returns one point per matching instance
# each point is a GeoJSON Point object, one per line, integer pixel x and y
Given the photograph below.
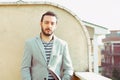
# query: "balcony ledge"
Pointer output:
{"type": "Point", "coordinates": [90, 76]}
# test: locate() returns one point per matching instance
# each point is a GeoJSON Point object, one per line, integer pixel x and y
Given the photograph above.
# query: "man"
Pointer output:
{"type": "Point", "coordinates": [46, 57]}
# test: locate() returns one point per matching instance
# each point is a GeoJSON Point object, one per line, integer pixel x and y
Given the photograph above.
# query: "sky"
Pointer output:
{"type": "Point", "coordinates": [105, 13]}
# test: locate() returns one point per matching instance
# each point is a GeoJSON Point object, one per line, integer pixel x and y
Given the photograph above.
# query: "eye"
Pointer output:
{"type": "Point", "coordinates": [52, 23]}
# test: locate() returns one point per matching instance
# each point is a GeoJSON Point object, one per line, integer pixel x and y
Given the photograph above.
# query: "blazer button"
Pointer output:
{"type": "Point", "coordinates": [45, 79]}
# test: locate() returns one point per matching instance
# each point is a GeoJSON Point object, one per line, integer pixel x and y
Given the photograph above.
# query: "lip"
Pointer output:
{"type": "Point", "coordinates": [48, 30]}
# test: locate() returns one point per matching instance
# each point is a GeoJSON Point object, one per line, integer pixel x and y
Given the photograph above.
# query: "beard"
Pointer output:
{"type": "Point", "coordinates": [45, 33]}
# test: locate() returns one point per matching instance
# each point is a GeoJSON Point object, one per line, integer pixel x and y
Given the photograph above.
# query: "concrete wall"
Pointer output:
{"type": "Point", "coordinates": [19, 22]}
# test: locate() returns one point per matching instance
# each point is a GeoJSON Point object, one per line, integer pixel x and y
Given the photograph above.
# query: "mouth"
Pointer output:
{"type": "Point", "coordinates": [48, 30]}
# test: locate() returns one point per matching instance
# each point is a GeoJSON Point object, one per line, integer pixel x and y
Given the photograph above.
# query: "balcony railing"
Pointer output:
{"type": "Point", "coordinates": [89, 76]}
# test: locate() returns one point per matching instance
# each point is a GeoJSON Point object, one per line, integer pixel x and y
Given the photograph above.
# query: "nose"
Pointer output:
{"type": "Point", "coordinates": [49, 25]}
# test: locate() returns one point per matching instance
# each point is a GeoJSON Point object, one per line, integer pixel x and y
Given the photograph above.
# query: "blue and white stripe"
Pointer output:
{"type": "Point", "coordinates": [48, 50]}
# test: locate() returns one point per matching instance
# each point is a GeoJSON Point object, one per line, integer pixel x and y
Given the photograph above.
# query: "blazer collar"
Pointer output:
{"type": "Point", "coordinates": [41, 46]}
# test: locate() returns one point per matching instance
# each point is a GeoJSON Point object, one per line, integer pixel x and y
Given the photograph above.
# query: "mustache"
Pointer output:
{"type": "Point", "coordinates": [47, 29]}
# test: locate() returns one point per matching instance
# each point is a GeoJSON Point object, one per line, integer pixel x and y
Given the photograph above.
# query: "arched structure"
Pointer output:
{"type": "Point", "coordinates": [20, 21]}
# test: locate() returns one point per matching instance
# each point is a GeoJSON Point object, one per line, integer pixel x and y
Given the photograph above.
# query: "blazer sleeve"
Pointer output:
{"type": "Point", "coordinates": [67, 64]}
{"type": "Point", "coordinates": [26, 62]}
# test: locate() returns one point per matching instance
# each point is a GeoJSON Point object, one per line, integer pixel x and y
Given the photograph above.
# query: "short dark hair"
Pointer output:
{"type": "Point", "coordinates": [50, 13]}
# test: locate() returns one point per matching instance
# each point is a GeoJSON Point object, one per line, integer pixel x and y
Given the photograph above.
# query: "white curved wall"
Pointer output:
{"type": "Point", "coordinates": [20, 22]}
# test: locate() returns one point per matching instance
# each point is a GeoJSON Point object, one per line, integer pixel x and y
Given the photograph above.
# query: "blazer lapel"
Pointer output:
{"type": "Point", "coordinates": [53, 60]}
{"type": "Point", "coordinates": [53, 53]}
{"type": "Point", "coordinates": [40, 45]}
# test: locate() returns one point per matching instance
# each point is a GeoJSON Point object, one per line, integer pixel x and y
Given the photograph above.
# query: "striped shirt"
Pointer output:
{"type": "Point", "coordinates": [48, 50]}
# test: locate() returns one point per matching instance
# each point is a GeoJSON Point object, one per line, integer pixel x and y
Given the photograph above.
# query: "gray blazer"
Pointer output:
{"type": "Point", "coordinates": [34, 63]}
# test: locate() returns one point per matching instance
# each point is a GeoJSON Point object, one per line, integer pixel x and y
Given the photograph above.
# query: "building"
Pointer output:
{"type": "Point", "coordinates": [111, 53]}
{"type": "Point", "coordinates": [95, 32]}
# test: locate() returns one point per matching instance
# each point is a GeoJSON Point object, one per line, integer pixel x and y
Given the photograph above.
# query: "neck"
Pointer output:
{"type": "Point", "coordinates": [46, 38]}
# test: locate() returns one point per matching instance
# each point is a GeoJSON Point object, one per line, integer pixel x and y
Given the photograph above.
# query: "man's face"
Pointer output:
{"type": "Point", "coordinates": [48, 25]}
